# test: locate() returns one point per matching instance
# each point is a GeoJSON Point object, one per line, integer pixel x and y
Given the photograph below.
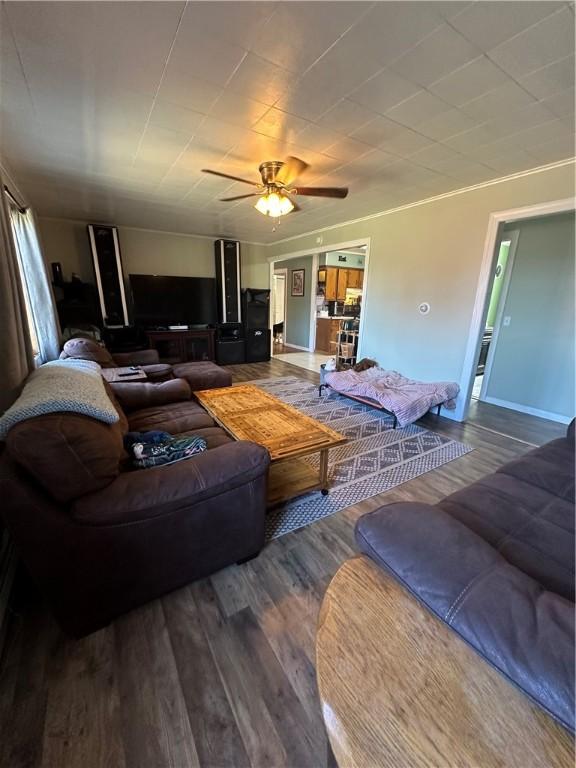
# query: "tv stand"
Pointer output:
{"type": "Point", "coordinates": [192, 345]}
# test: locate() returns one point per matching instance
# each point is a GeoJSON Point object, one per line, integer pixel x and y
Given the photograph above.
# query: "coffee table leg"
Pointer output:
{"type": "Point", "coordinates": [324, 471]}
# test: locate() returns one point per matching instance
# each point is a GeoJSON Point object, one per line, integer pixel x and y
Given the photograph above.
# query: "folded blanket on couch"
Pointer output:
{"type": "Point", "coordinates": [62, 385]}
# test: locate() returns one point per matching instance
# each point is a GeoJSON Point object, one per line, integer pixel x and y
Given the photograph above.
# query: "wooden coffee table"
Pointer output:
{"type": "Point", "coordinates": [399, 688]}
{"type": "Point", "coordinates": [248, 413]}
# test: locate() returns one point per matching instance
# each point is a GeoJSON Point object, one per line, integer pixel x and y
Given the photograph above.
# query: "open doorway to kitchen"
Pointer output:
{"type": "Point", "coordinates": [324, 296]}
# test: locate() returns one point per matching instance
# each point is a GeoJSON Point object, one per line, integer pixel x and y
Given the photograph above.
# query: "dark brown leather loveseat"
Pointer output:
{"type": "Point", "coordinates": [100, 538]}
{"type": "Point", "coordinates": [495, 561]}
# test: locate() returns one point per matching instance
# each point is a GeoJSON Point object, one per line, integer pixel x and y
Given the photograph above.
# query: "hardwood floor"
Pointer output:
{"type": "Point", "coordinates": [220, 673]}
{"type": "Point", "coordinates": [521, 426]}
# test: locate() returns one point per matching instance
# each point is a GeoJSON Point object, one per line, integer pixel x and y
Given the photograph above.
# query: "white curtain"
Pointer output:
{"type": "Point", "coordinates": [37, 284]}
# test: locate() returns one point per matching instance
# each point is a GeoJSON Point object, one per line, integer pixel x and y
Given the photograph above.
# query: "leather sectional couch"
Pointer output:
{"type": "Point", "coordinates": [199, 375]}
{"type": "Point", "coordinates": [495, 561]}
{"type": "Point", "coordinates": [100, 538]}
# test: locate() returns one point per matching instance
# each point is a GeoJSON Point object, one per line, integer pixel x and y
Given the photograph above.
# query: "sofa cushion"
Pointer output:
{"type": "Point", "coordinates": [88, 349]}
{"type": "Point", "coordinates": [214, 436]}
{"type": "Point", "coordinates": [526, 511]}
{"type": "Point", "coordinates": [67, 453]}
{"type": "Point", "coordinates": [137, 395]}
{"type": "Point", "coordinates": [203, 375]}
{"type": "Point", "coordinates": [174, 418]}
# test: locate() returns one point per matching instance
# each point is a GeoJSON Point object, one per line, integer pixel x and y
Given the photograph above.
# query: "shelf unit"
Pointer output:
{"type": "Point", "coordinates": [345, 346]}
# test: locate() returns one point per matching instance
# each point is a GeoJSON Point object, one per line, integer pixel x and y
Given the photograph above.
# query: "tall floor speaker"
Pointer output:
{"type": "Point", "coordinates": [256, 307]}
{"type": "Point", "coordinates": [227, 254]}
{"type": "Point", "coordinates": [257, 345]}
{"type": "Point", "coordinates": [109, 276]}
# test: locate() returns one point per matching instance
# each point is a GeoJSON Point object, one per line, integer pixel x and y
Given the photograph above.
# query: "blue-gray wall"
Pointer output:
{"type": "Point", "coordinates": [297, 330]}
{"type": "Point", "coordinates": [534, 362]}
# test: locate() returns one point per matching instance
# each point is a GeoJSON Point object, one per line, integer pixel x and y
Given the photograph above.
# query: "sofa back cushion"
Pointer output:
{"type": "Point", "coordinates": [88, 349]}
{"type": "Point", "coordinates": [67, 453]}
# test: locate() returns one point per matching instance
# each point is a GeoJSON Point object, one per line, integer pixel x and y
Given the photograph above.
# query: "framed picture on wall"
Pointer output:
{"type": "Point", "coordinates": [297, 282]}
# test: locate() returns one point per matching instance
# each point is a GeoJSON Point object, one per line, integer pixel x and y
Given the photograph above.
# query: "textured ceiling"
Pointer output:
{"type": "Point", "coordinates": [110, 110]}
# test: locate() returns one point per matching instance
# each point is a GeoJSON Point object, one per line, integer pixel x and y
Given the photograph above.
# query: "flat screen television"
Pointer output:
{"type": "Point", "coordinates": [170, 300]}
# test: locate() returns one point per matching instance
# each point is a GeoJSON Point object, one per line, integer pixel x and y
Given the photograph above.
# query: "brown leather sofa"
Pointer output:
{"type": "Point", "coordinates": [199, 375]}
{"type": "Point", "coordinates": [99, 537]}
{"type": "Point", "coordinates": [495, 561]}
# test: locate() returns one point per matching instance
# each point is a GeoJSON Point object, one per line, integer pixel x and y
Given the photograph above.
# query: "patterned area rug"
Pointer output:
{"type": "Point", "coordinates": [375, 458]}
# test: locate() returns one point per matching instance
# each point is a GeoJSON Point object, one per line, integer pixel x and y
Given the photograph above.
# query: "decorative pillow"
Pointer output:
{"type": "Point", "coordinates": [87, 349]}
{"type": "Point", "coordinates": [179, 448]}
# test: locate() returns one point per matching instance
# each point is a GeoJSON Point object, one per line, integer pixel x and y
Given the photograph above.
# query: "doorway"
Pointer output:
{"type": "Point", "coordinates": [524, 383]}
{"type": "Point", "coordinates": [279, 279]}
{"type": "Point", "coordinates": [307, 304]}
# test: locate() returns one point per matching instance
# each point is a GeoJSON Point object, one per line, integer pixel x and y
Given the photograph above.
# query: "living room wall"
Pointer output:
{"type": "Point", "coordinates": [143, 251]}
{"type": "Point", "coordinates": [431, 253]}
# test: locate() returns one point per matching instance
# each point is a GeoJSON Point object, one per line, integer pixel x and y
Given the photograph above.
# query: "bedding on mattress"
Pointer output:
{"type": "Point", "coordinates": [407, 399]}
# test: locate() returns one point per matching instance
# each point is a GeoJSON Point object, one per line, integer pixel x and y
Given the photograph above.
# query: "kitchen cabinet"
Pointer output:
{"type": "Point", "coordinates": [339, 279]}
{"type": "Point", "coordinates": [326, 331]}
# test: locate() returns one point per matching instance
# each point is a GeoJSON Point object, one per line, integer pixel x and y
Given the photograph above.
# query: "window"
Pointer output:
{"type": "Point", "coordinates": [32, 332]}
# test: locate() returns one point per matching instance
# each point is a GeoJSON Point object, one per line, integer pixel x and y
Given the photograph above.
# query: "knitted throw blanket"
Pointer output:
{"type": "Point", "coordinates": [62, 385]}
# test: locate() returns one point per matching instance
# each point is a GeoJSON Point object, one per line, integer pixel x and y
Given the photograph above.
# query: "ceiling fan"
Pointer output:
{"type": "Point", "coordinates": [276, 187]}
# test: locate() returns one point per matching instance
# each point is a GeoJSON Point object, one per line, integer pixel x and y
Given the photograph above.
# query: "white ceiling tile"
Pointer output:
{"type": "Point", "coordinates": [317, 137]}
{"type": "Point", "coordinates": [238, 110]}
{"type": "Point", "coordinates": [383, 92]}
{"type": "Point", "coordinates": [555, 150]}
{"type": "Point", "coordinates": [418, 108]}
{"type": "Point", "coordinates": [391, 28]}
{"type": "Point", "coordinates": [406, 143]}
{"type": "Point", "coordinates": [346, 117]}
{"type": "Point", "coordinates": [297, 33]}
{"type": "Point", "coordinates": [191, 92]}
{"type": "Point", "coordinates": [280, 125]}
{"type": "Point", "coordinates": [561, 104]}
{"type": "Point", "coordinates": [548, 41]}
{"type": "Point", "coordinates": [487, 24]}
{"type": "Point", "coordinates": [446, 124]}
{"type": "Point", "coordinates": [512, 161]}
{"type": "Point", "coordinates": [377, 131]}
{"type": "Point", "coordinates": [347, 149]}
{"type": "Point", "coordinates": [436, 56]}
{"type": "Point", "coordinates": [174, 117]}
{"type": "Point", "coordinates": [433, 155]}
{"type": "Point", "coordinates": [261, 80]}
{"type": "Point", "coordinates": [470, 81]}
{"type": "Point", "coordinates": [239, 24]}
{"type": "Point", "coordinates": [502, 99]}
{"type": "Point", "coordinates": [551, 79]}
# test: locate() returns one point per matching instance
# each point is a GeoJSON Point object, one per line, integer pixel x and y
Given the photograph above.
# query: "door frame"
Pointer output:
{"type": "Point", "coordinates": [512, 236]}
{"type": "Point", "coordinates": [482, 298]}
{"type": "Point", "coordinates": [315, 252]}
{"type": "Point", "coordinates": [285, 275]}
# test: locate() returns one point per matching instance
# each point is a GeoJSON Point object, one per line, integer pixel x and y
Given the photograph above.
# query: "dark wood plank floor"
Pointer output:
{"type": "Point", "coordinates": [220, 673]}
{"type": "Point", "coordinates": [530, 429]}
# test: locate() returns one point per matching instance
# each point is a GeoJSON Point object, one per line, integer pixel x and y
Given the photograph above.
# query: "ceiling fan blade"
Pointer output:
{"type": "Point", "coordinates": [238, 197]}
{"type": "Point", "coordinates": [340, 192]}
{"type": "Point", "coordinates": [292, 168]}
{"type": "Point", "coordinates": [227, 176]}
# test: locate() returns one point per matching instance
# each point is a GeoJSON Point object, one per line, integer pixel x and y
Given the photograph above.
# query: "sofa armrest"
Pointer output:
{"type": "Point", "coordinates": [139, 357]}
{"type": "Point", "coordinates": [524, 631]}
{"type": "Point", "coordinates": [149, 493]}
{"type": "Point", "coordinates": [135, 395]}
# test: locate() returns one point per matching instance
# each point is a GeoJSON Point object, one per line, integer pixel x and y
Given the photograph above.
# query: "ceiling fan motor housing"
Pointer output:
{"type": "Point", "coordinates": [268, 171]}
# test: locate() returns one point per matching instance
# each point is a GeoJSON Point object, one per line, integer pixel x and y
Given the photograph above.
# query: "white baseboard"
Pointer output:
{"type": "Point", "coordinates": [296, 346]}
{"type": "Point", "coordinates": [527, 409]}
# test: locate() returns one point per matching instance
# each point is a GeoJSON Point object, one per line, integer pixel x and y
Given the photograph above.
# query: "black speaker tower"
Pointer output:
{"type": "Point", "coordinates": [109, 275]}
{"type": "Point", "coordinates": [227, 255]}
{"type": "Point", "coordinates": [256, 313]}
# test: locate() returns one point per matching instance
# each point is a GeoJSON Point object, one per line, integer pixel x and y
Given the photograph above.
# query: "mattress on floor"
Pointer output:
{"type": "Point", "coordinates": [406, 398]}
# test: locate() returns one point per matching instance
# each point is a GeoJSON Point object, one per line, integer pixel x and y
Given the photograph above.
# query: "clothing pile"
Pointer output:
{"type": "Point", "coordinates": [156, 448]}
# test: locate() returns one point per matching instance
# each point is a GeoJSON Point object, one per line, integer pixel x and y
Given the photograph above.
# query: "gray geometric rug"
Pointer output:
{"type": "Point", "coordinates": [375, 459]}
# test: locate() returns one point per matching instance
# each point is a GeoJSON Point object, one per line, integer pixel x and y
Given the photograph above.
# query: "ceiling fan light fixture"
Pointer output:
{"type": "Point", "coordinates": [274, 204]}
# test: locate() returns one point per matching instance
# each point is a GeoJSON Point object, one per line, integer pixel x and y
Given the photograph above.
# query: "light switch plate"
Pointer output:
{"type": "Point", "coordinates": [506, 320]}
